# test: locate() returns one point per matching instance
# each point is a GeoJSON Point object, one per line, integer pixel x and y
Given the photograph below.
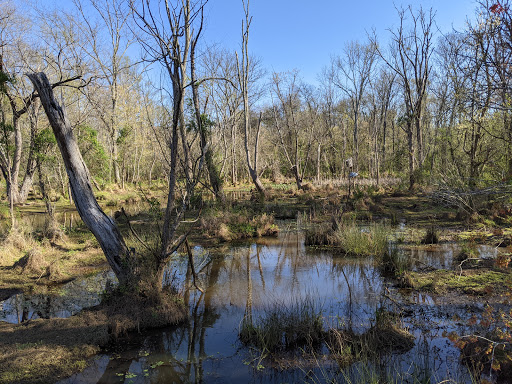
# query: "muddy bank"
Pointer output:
{"type": "Point", "coordinates": [45, 350]}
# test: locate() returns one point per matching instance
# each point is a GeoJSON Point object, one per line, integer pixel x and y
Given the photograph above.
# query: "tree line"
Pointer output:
{"type": "Point", "coordinates": [145, 99]}
{"type": "Point", "coordinates": [422, 105]}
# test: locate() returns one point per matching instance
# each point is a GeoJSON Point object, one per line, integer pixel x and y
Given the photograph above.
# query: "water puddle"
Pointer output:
{"type": "Point", "coordinates": [444, 256]}
{"type": "Point", "coordinates": [63, 301]}
{"type": "Point", "coordinates": [252, 278]}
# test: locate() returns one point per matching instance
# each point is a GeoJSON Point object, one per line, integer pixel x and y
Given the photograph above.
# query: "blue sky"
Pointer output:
{"type": "Point", "coordinates": [304, 34]}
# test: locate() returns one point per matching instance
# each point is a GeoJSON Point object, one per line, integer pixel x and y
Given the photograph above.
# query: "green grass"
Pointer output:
{"type": "Point", "coordinates": [394, 263]}
{"type": "Point", "coordinates": [367, 241]}
{"type": "Point", "coordinates": [473, 282]}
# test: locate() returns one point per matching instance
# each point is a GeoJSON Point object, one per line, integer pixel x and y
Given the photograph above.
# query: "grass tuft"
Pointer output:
{"type": "Point", "coordinates": [237, 224]}
{"type": "Point", "coordinates": [386, 335]}
{"type": "Point", "coordinates": [284, 327]}
{"type": "Point", "coordinates": [357, 241]}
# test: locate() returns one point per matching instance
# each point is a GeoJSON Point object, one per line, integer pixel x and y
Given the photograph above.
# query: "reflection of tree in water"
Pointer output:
{"type": "Point", "coordinates": [247, 280]}
{"type": "Point", "coordinates": [190, 338]}
{"type": "Point", "coordinates": [362, 283]}
{"type": "Point", "coordinates": [64, 301]}
{"type": "Point", "coordinates": [203, 317]}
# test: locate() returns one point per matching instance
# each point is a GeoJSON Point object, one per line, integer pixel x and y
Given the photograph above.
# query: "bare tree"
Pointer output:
{"type": "Point", "coordinates": [19, 54]}
{"type": "Point", "coordinates": [102, 226]}
{"type": "Point", "coordinates": [351, 73]}
{"type": "Point", "coordinates": [493, 31]}
{"type": "Point", "coordinates": [109, 59]}
{"type": "Point", "coordinates": [243, 69]}
{"type": "Point", "coordinates": [410, 53]}
{"type": "Point", "coordinates": [383, 93]}
{"type": "Point", "coordinates": [170, 41]}
{"type": "Point", "coordinates": [224, 105]}
{"type": "Point", "coordinates": [294, 127]}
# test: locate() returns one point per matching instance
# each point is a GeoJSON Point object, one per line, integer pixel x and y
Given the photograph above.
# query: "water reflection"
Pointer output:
{"type": "Point", "coordinates": [443, 256]}
{"type": "Point", "coordinates": [68, 217]}
{"type": "Point", "coordinates": [248, 279]}
{"type": "Point", "coordinates": [63, 301]}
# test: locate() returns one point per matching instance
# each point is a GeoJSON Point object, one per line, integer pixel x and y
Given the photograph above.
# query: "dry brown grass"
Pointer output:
{"type": "Point", "coordinates": [387, 335]}
{"type": "Point", "coordinates": [228, 225]}
{"type": "Point", "coordinates": [223, 233]}
{"type": "Point", "coordinates": [52, 231]}
{"type": "Point", "coordinates": [319, 234]}
{"type": "Point", "coordinates": [144, 308]}
{"type": "Point", "coordinates": [42, 351]}
{"type": "Point", "coordinates": [33, 262]}
{"type": "Point", "coordinates": [347, 347]}
{"type": "Point", "coordinates": [308, 187]}
{"type": "Point", "coordinates": [17, 242]}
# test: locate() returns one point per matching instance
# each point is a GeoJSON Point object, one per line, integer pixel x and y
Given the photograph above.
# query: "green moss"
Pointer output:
{"type": "Point", "coordinates": [473, 282]}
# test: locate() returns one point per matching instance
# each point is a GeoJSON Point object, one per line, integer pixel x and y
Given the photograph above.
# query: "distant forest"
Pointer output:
{"type": "Point", "coordinates": [426, 107]}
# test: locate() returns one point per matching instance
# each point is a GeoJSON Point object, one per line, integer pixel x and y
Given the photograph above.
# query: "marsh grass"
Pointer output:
{"type": "Point", "coordinates": [431, 236]}
{"type": "Point", "coordinates": [371, 240]}
{"type": "Point", "coordinates": [284, 327]}
{"type": "Point", "coordinates": [474, 282]}
{"type": "Point", "coordinates": [320, 234]}
{"type": "Point", "coordinates": [16, 243]}
{"type": "Point", "coordinates": [394, 263]}
{"type": "Point", "coordinates": [235, 224]}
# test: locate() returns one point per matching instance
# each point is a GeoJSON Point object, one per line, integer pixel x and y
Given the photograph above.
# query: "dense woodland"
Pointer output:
{"type": "Point", "coordinates": [404, 142]}
{"type": "Point", "coordinates": [428, 106]}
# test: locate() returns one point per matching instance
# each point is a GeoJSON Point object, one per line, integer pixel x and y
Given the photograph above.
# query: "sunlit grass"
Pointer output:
{"type": "Point", "coordinates": [362, 241]}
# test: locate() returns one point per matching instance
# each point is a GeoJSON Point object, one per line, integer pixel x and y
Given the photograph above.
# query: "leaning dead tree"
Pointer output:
{"type": "Point", "coordinates": [123, 261]}
{"type": "Point", "coordinates": [101, 225]}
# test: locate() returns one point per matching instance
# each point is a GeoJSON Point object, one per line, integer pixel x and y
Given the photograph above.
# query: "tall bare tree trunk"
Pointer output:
{"type": "Point", "coordinates": [243, 79]}
{"type": "Point", "coordinates": [102, 226]}
{"type": "Point", "coordinates": [213, 173]}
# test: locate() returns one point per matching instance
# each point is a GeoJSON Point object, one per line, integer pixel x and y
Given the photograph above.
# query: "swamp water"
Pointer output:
{"type": "Point", "coordinates": [63, 301]}
{"type": "Point", "coordinates": [253, 278]}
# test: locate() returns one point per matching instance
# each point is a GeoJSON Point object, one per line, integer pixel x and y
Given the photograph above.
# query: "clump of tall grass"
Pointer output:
{"type": "Point", "coordinates": [431, 236]}
{"type": "Point", "coordinates": [367, 241]}
{"type": "Point", "coordinates": [394, 263]}
{"type": "Point", "coordinates": [236, 224]}
{"type": "Point", "coordinates": [16, 243]}
{"type": "Point", "coordinates": [320, 234]}
{"type": "Point", "coordinates": [283, 327]}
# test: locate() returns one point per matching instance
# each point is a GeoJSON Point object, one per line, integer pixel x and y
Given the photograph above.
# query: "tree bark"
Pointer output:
{"type": "Point", "coordinates": [102, 226]}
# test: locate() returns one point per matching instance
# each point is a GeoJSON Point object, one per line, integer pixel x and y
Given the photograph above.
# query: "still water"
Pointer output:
{"type": "Point", "coordinates": [252, 278]}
